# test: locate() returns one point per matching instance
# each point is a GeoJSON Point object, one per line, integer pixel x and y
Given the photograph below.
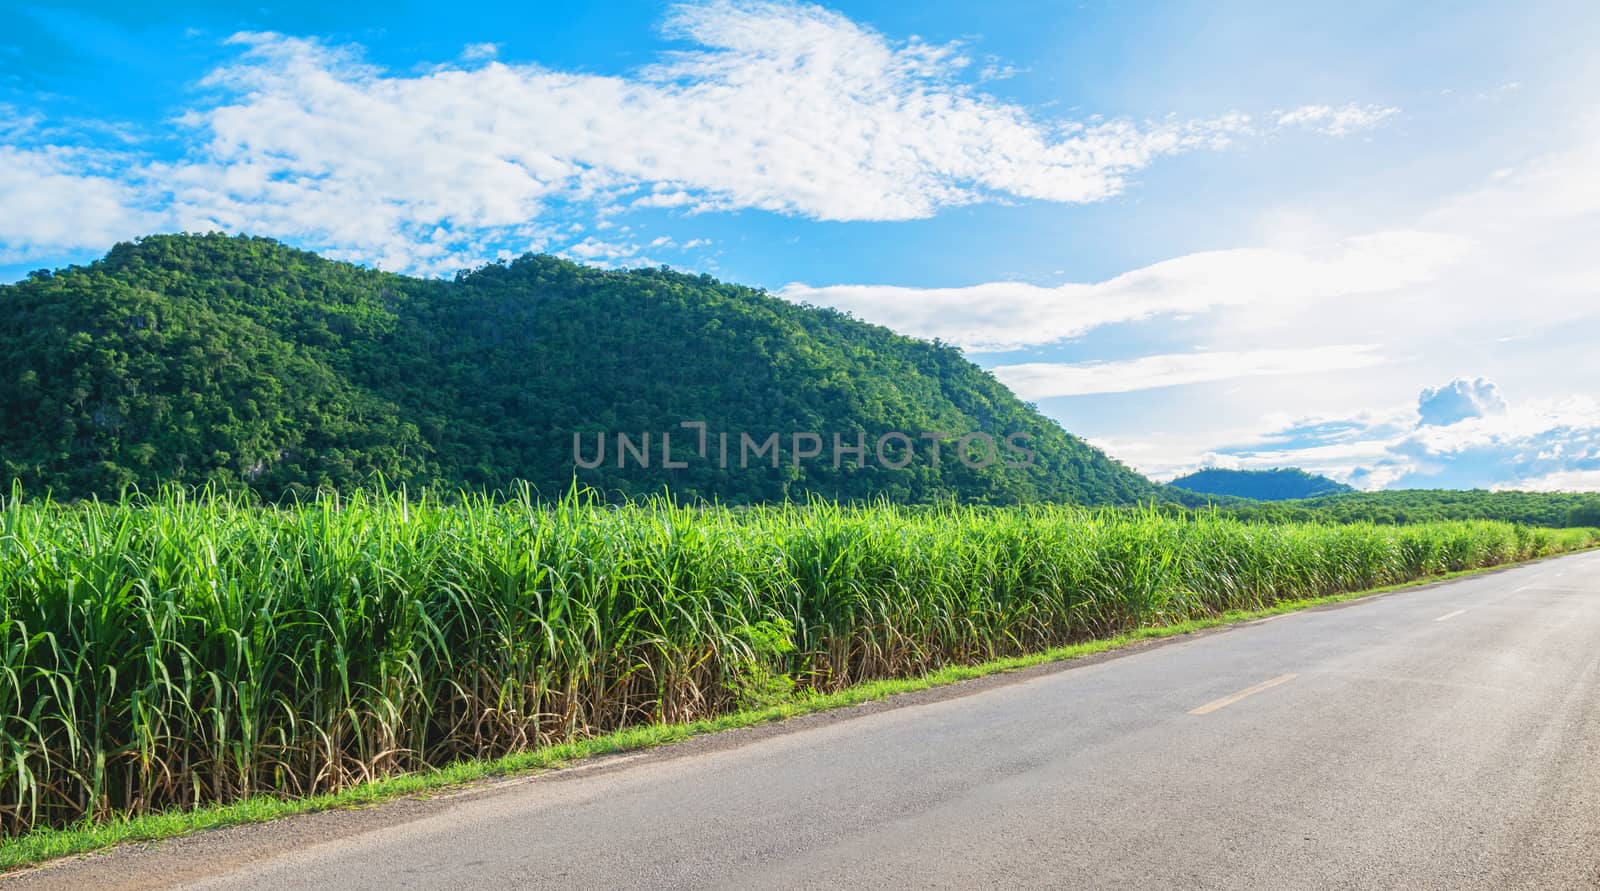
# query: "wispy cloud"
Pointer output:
{"type": "Point", "coordinates": [1560, 481]}
{"type": "Point", "coordinates": [1042, 380]}
{"type": "Point", "coordinates": [1340, 120]}
{"type": "Point", "coordinates": [1008, 315]}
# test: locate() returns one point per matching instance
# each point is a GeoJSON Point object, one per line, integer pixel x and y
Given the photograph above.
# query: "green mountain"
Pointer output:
{"type": "Point", "coordinates": [246, 364]}
{"type": "Point", "coordinates": [1281, 484]}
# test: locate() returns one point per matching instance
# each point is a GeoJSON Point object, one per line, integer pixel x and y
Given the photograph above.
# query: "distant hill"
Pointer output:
{"type": "Point", "coordinates": [1282, 484]}
{"type": "Point", "coordinates": [246, 364]}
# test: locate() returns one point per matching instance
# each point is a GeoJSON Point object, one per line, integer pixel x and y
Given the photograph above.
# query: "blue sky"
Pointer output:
{"type": "Point", "coordinates": [1246, 234]}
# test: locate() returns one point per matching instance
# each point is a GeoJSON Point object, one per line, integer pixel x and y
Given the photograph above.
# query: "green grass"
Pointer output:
{"type": "Point", "coordinates": [90, 835]}
{"type": "Point", "coordinates": [197, 655]}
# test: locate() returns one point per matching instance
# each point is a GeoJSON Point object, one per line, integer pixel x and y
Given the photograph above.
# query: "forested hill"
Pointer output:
{"type": "Point", "coordinates": [244, 363]}
{"type": "Point", "coordinates": [1281, 484]}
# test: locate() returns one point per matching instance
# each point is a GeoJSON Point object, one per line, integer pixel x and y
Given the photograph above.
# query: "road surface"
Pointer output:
{"type": "Point", "coordinates": [1443, 737]}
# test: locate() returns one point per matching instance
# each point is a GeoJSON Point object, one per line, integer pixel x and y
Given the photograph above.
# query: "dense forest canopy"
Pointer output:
{"type": "Point", "coordinates": [1279, 484]}
{"type": "Point", "coordinates": [245, 364]}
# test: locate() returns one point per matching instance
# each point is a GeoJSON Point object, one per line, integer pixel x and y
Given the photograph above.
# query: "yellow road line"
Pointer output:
{"type": "Point", "coordinates": [1226, 701]}
{"type": "Point", "coordinates": [1450, 615]}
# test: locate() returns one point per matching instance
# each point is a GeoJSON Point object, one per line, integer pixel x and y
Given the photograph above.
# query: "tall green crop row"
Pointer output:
{"type": "Point", "coordinates": [173, 651]}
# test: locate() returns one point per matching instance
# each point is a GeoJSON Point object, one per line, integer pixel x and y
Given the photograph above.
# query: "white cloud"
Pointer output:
{"type": "Point", "coordinates": [1008, 315]}
{"type": "Point", "coordinates": [784, 108]}
{"type": "Point", "coordinates": [1501, 91]}
{"type": "Point", "coordinates": [60, 199]}
{"type": "Point", "coordinates": [1560, 481]}
{"type": "Point", "coordinates": [1337, 121]}
{"type": "Point", "coordinates": [1043, 380]}
{"type": "Point", "coordinates": [612, 254]}
{"type": "Point", "coordinates": [788, 109]}
{"type": "Point", "coordinates": [1541, 430]}
{"type": "Point", "coordinates": [1365, 464]}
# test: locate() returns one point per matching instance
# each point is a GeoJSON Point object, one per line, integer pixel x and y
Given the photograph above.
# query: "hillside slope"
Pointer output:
{"type": "Point", "coordinates": [1281, 484]}
{"type": "Point", "coordinates": [247, 364]}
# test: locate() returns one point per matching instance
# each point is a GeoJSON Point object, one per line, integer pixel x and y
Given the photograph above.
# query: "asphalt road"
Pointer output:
{"type": "Point", "coordinates": [1443, 737]}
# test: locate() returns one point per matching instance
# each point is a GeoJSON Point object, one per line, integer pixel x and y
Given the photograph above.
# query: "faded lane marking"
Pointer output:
{"type": "Point", "coordinates": [500, 784]}
{"type": "Point", "coordinates": [1226, 701]}
{"type": "Point", "coordinates": [1450, 615]}
{"type": "Point", "coordinates": [595, 764]}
